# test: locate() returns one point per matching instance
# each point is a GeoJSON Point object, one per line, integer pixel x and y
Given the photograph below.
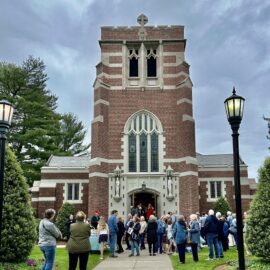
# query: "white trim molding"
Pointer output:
{"type": "Point", "coordinates": [187, 159]}
{"type": "Point", "coordinates": [187, 117]}
{"type": "Point", "coordinates": [188, 173]}
{"type": "Point", "coordinates": [184, 100]}
{"type": "Point", "coordinates": [246, 196]}
{"type": "Point", "coordinates": [99, 118]}
{"type": "Point", "coordinates": [102, 101]}
{"type": "Point", "coordinates": [99, 160]}
{"type": "Point", "coordinates": [43, 199]}
{"type": "Point", "coordinates": [98, 174]}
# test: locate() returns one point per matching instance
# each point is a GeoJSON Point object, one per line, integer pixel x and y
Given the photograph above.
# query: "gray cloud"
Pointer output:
{"type": "Point", "coordinates": [227, 44]}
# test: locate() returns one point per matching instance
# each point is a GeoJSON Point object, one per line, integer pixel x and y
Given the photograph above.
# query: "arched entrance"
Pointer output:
{"type": "Point", "coordinates": [145, 197]}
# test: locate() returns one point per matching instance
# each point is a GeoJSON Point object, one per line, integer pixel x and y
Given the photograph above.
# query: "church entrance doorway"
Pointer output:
{"type": "Point", "coordinates": [144, 198]}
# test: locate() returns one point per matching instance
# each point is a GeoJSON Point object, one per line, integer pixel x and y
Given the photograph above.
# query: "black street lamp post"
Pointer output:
{"type": "Point", "coordinates": [234, 106]}
{"type": "Point", "coordinates": [6, 112]}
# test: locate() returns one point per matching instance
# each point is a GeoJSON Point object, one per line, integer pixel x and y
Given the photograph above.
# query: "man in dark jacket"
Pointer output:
{"type": "Point", "coordinates": [211, 233]}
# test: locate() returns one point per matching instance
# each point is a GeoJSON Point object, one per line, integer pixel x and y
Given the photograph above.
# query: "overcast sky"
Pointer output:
{"type": "Point", "coordinates": [228, 43]}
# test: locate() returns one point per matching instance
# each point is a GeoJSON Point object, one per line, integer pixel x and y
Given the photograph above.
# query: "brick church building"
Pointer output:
{"type": "Point", "coordinates": [143, 135]}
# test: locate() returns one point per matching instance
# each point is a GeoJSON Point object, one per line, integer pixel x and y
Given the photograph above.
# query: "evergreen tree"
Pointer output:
{"type": "Point", "coordinates": [66, 210]}
{"type": "Point", "coordinates": [72, 134]}
{"type": "Point", "coordinates": [222, 206]}
{"type": "Point", "coordinates": [18, 228]}
{"type": "Point", "coordinates": [258, 222]}
{"type": "Point", "coordinates": [35, 125]}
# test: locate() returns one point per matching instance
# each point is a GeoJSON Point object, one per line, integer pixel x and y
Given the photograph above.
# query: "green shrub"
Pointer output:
{"type": "Point", "coordinates": [258, 221]}
{"type": "Point", "coordinates": [18, 228]}
{"type": "Point", "coordinates": [222, 206]}
{"type": "Point", "coordinates": [66, 210]}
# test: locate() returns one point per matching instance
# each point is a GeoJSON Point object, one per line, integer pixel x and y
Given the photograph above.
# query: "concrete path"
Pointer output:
{"type": "Point", "coordinates": [142, 262]}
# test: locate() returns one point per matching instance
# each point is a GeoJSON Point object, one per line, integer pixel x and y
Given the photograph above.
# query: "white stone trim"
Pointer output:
{"type": "Point", "coordinates": [187, 159]}
{"type": "Point", "coordinates": [99, 118]}
{"type": "Point", "coordinates": [223, 192]}
{"type": "Point", "coordinates": [101, 101]}
{"type": "Point", "coordinates": [98, 160]}
{"type": "Point", "coordinates": [184, 100]}
{"type": "Point", "coordinates": [109, 76]}
{"type": "Point", "coordinates": [116, 65]}
{"type": "Point", "coordinates": [98, 174]}
{"type": "Point", "coordinates": [80, 193]}
{"type": "Point", "coordinates": [43, 199]}
{"type": "Point", "coordinates": [172, 87]}
{"type": "Point", "coordinates": [207, 179]}
{"type": "Point", "coordinates": [246, 196]}
{"type": "Point", "coordinates": [175, 75]}
{"type": "Point", "coordinates": [188, 173]}
{"type": "Point", "coordinates": [187, 117]}
{"type": "Point", "coordinates": [47, 182]}
{"type": "Point", "coordinates": [219, 168]}
{"type": "Point", "coordinates": [64, 169]}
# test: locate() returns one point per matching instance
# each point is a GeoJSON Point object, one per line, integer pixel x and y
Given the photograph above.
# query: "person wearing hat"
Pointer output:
{"type": "Point", "coordinates": [95, 219]}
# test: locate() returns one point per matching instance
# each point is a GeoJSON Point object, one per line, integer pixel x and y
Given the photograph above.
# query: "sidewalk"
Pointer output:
{"type": "Point", "coordinates": [142, 262]}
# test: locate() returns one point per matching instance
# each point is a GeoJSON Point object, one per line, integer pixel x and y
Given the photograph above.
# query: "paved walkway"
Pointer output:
{"type": "Point", "coordinates": [142, 262]}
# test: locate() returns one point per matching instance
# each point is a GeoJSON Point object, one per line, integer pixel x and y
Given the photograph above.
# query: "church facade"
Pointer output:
{"type": "Point", "coordinates": [143, 135]}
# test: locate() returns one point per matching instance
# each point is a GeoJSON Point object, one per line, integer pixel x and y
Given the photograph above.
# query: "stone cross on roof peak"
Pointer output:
{"type": "Point", "coordinates": [142, 20]}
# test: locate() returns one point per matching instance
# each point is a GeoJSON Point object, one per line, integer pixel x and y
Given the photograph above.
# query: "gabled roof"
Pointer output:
{"type": "Point", "coordinates": [216, 160]}
{"type": "Point", "coordinates": [63, 161]}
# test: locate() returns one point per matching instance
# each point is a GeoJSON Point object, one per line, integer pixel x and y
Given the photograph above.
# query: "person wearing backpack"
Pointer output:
{"type": "Point", "coordinates": [180, 237]}
{"type": "Point", "coordinates": [161, 228]}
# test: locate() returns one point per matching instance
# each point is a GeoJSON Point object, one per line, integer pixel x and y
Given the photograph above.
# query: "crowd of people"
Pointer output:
{"type": "Point", "coordinates": [167, 234]}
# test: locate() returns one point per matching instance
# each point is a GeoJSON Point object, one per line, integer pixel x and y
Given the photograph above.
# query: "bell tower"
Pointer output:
{"type": "Point", "coordinates": [143, 131]}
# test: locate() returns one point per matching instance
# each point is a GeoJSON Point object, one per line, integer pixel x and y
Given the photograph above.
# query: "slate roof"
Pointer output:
{"type": "Point", "coordinates": [216, 160]}
{"type": "Point", "coordinates": [57, 161]}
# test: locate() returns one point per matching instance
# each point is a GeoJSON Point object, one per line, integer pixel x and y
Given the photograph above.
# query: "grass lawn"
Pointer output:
{"type": "Point", "coordinates": [61, 261]}
{"type": "Point", "coordinates": [229, 256]}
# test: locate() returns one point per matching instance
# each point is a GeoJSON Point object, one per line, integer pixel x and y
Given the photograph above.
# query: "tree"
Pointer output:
{"type": "Point", "coordinates": [222, 206]}
{"type": "Point", "coordinates": [35, 122]}
{"type": "Point", "coordinates": [66, 210]}
{"type": "Point", "coordinates": [72, 134]}
{"type": "Point", "coordinates": [258, 222]}
{"type": "Point", "coordinates": [268, 120]}
{"type": "Point", "coordinates": [19, 229]}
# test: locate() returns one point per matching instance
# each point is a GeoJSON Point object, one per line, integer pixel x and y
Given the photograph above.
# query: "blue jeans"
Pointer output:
{"type": "Point", "coordinates": [212, 239]}
{"type": "Point", "coordinates": [49, 255]}
{"type": "Point", "coordinates": [220, 248]}
{"type": "Point", "coordinates": [134, 245]}
{"type": "Point", "coordinates": [113, 237]}
{"type": "Point", "coordinates": [159, 242]}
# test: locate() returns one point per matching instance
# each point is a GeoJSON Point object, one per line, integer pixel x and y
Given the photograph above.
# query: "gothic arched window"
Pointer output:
{"type": "Point", "coordinates": [143, 131]}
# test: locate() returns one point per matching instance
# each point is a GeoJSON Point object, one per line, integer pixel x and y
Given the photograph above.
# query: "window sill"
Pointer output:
{"type": "Point", "coordinates": [151, 78]}
{"type": "Point", "coordinates": [73, 201]}
{"type": "Point", "coordinates": [134, 78]}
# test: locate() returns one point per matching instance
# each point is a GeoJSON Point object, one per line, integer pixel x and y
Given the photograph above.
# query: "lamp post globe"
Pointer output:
{"type": "Point", "coordinates": [6, 113]}
{"type": "Point", "coordinates": [234, 106]}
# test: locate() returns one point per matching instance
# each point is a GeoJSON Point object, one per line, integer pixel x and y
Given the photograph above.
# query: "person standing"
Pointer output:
{"type": "Point", "coordinates": [169, 230]}
{"type": "Point", "coordinates": [48, 233]}
{"type": "Point", "coordinates": [95, 219]}
{"type": "Point", "coordinates": [127, 225]}
{"type": "Point", "coordinates": [211, 233]}
{"type": "Point", "coordinates": [149, 211]}
{"type": "Point", "coordinates": [134, 236]}
{"type": "Point", "coordinates": [120, 234]}
{"type": "Point", "coordinates": [194, 236]}
{"type": "Point", "coordinates": [113, 229]}
{"type": "Point", "coordinates": [142, 232]}
{"type": "Point", "coordinates": [220, 234]}
{"type": "Point", "coordinates": [225, 240]}
{"type": "Point", "coordinates": [152, 235]}
{"type": "Point", "coordinates": [180, 237]}
{"type": "Point", "coordinates": [78, 245]}
{"type": "Point", "coordinates": [161, 229]}
{"type": "Point", "coordinates": [68, 223]}
{"type": "Point", "coordinates": [102, 233]}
